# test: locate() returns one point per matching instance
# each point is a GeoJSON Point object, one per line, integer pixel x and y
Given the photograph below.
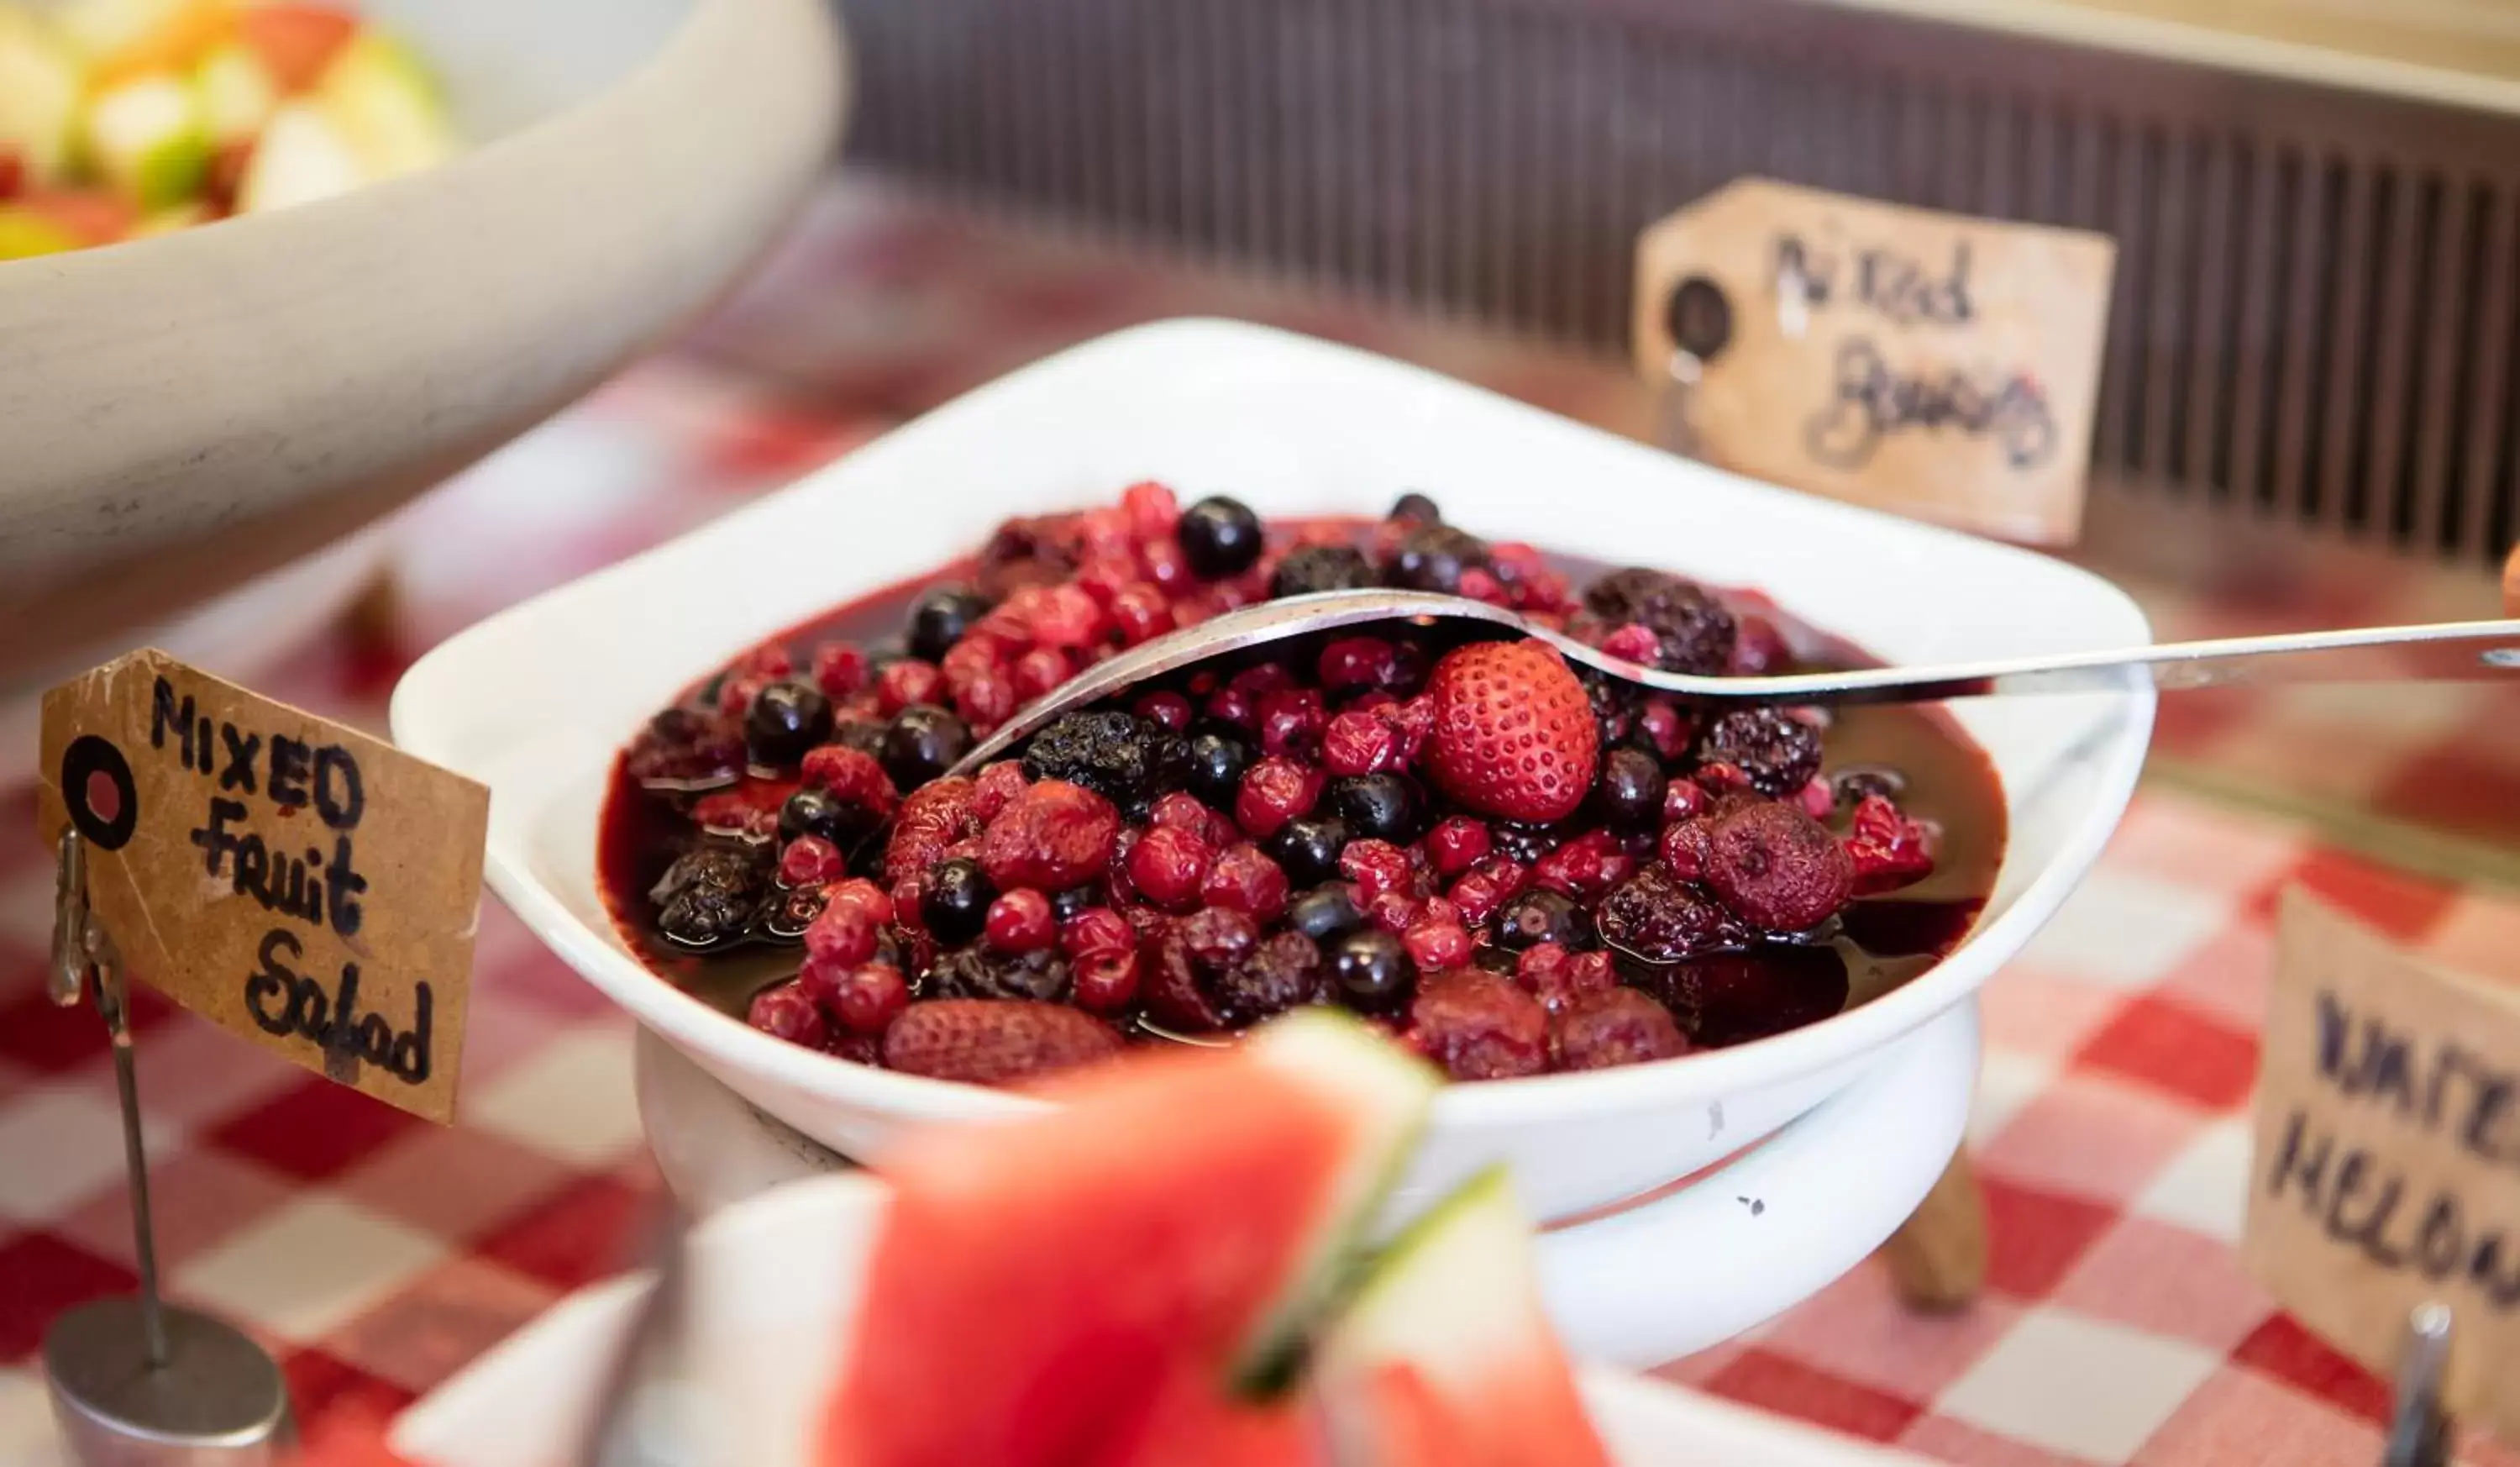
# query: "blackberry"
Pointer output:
{"type": "Point", "coordinates": [1282, 973]}
{"type": "Point", "coordinates": [1614, 701]}
{"type": "Point", "coordinates": [1115, 754]}
{"type": "Point", "coordinates": [1778, 752]}
{"type": "Point", "coordinates": [1524, 843]}
{"type": "Point", "coordinates": [707, 896]}
{"type": "Point", "coordinates": [1322, 568]}
{"type": "Point", "coordinates": [1695, 629]}
{"type": "Point", "coordinates": [974, 972]}
{"type": "Point", "coordinates": [1432, 557]}
{"type": "Point", "coordinates": [1658, 918]}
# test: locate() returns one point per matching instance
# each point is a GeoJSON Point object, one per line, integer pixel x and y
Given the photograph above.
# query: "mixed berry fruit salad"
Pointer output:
{"type": "Point", "coordinates": [1513, 864]}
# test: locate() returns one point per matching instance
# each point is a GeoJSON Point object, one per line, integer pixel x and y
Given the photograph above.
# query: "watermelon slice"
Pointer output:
{"type": "Point", "coordinates": [1445, 1357]}
{"type": "Point", "coordinates": [1192, 1419]}
{"type": "Point", "coordinates": [1191, 1213]}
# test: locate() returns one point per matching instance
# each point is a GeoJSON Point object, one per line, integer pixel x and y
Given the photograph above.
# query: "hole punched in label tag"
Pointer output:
{"type": "Point", "coordinates": [1699, 318]}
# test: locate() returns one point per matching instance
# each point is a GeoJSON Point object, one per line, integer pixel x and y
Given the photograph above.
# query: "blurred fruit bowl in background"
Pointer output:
{"type": "Point", "coordinates": [125, 118]}
{"type": "Point", "coordinates": [193, 408]}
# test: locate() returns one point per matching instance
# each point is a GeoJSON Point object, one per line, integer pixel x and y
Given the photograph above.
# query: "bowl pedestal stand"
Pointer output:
{"type": "Point", "coordinates": [1638, 1285]}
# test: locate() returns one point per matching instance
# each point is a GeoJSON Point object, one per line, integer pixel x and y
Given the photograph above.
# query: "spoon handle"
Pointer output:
{"type": "Point", "coordinates": [2454, 651]}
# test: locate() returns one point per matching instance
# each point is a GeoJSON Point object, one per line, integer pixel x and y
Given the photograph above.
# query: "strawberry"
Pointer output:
{"type": "Point", "coordinates": [934, 816]}
{"type": "Point", "coordinates": [993, 1041]}
{"type": "Point", "coordinates": [1513, 734]}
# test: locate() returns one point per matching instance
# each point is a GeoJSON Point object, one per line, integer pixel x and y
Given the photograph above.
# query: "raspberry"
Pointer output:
{"type": "Point", "coordinates": [1056, 835]}
{"type": "Point", "coordinates": [1378, 868]}
{"type": "Point", "coordinates": [998, 785]}
{"type": "Point", "coordinates": [1245, 879]}
{"type": "Point", "coordinates": [1817, 799]}
{"type": "Point", "coordinates": [1170, 711]}
{"type": "Point", "coordinates": [1614, 1027]}
{"type": "Point", "coordinates": [843, 936]}
{"type": "Point", "coordinates": [1140, 612]}
{"type": "Point", "coordinates": [1557, 977]}
{"type": "Point", "coordinates": [1887, 849]}
{"type": "Point", "coordinates": [1456, 845]}
{"type": "Point", "coordinates": [1167, 568]}
{"type": "Point", "coordinates": [785, 1012]}
{"type": "Point", "coordinates": [1722, 778]}
{"type": "Point", "coordinates": [1661, 919]}
{"type": "Point", "coordinates": [852, 776]}
{"type": "Point", "coordinates": [1635, 642]}
{"type": "Point", "coordinates": [810, 862]}
{"type": "Point", "coordinates": [1413, 722]}
{"type": "Point", "coordinates": [871, 997]}
{"type": "Point", "coordinates": [735, 696]}
{"type": "Point", "coordinates": [1477, 1025]}
{"type": "Point", "coordinates": [863, 893]}
{"type": "Point", "coordinates": [1217, 937]}
{"type": "Point", "coordinates": [994, 1042]}
{"type": "Point", "coordinates": [1038, 671]}
{"type": "Point", "coordinates": [1585, 867]}
{"type": "Point", "coordinates": [1167, 867]}
{"type": "Point", "coordinates": [1779, 868]}
{"type": "Point", "coordinates": [1350, 664]}
{"type": "Point", "coordinates": [1151, 509]}
{"type": "Point", "coordinates": [1684, 848]}
{"type": "Point", "coordinates": [1479, 584]}
{"type": "Point", "coordinates": [1395, 912]}
{"type": "Point", "coordinates": [933, 817]}
{"type": "Point", "coordinates": [1665, 727]}
{"type": "Point", "coordinates": [1683, 799]}
{"type": "Point", "coordinates": [1779, 753]}
{"type": "Point", "coordinates": [1358, 742]}
{"type": "Point", "coordinates": [1479, 894]}
{"type": "Point", "coordinates": [1275, 790]}
{"type": "Point", "coordinates": [905, 682]}
{"type": "Point", "coordinates": [1097, 928]}
{"type": "Point", "coordinates": [1435, 947]}
{"type": "Point", "coordinates": [1020, 922]}
{"type": "Point", "coordinates": [1106, 980]}
{"type": "Point", "coordinates": [839, 668]}
{"type": "Point", "coordinates": [1291, 720]}
{"type": "Point", "coordinates": [1758, 648]}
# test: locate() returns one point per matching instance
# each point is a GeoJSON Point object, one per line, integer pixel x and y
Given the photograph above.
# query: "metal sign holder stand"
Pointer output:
{"type": "Point", "coordinates": [137, 1382]}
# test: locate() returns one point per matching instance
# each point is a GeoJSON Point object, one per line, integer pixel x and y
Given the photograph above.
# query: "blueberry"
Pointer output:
{"type": "Point", "coordinates": [1066, 905]}
{"type": "Point", "coordinates": [1219, 537]}
{"type": "Point", "coordinates": [1414, 508]}
{"type": "Point", "coordinates": [938, 618]}
{"type": "Point", "coordinates": [1326, 912]}
{"type": "Point", "coordinates": [1309, 848]}
{"type": "Point", "coordinates": [1541, 916]}
{"type": "Point", "coordinates": [955, 907]}
{"type": "Point", "coordinates": [815, 812]}
{"type": "Point", "coordinates": [923, 743]}
{"type": "Point", "coordinates": [1630, 790]}
{"type": "Point", "coordinates": [1432, 558]}
{"type": "Point", "coordinates": [1383, 806]}
{"type": "Point", "coordinates": [1372, 971]}
{"type": "Point", "coordinates": [786, 719]}
{"type": "Point", "coordinates": [1217, 761]}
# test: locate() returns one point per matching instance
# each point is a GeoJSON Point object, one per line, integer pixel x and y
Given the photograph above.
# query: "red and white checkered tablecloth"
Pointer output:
{"type": "Point", "coordinates": [376, 1252]}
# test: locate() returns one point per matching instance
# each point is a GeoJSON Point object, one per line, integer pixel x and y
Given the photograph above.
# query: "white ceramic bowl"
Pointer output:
{"type": "Point", "coordinates": [534, 701]}
{"type": "Point", "coordinates": [774, 1285]}
{"type": "Point", "coordinates": [181, 414]}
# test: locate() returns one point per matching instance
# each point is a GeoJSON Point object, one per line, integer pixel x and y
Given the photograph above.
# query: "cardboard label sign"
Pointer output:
{"type": "Point", "coordinates": [2387, 1170]}
{"type": "Point", "coordinates": [1936, 365]}
{"type": "Point", "coordinates": [288, 878]}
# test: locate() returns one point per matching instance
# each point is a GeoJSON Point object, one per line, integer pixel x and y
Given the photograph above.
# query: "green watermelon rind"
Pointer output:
{"type": "Point", "coordinates": [1342, 1054]}
{"type": "Point", "coordinates": [1479, 1220]}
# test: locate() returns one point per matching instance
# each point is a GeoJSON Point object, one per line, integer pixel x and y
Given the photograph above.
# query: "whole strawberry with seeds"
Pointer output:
{"type": "Point", "coordinates": [1513, 733]}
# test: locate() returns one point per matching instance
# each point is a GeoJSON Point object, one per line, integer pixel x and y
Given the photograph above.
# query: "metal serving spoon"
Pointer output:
{"type": "Point", "coordinates": [2450, 650]}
